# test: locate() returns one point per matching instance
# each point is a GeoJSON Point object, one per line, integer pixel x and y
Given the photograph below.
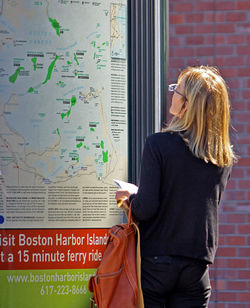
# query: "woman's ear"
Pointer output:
{"type": "Point", "coordinates": [183, 109]}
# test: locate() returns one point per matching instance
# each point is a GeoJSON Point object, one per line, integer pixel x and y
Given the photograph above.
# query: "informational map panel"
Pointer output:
{"type": "Point", "coordinates": [63, 116]}
{"type": "Point", "coordinates": [63, 139]}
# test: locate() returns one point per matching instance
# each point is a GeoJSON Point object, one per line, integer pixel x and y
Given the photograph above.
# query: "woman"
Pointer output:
{"type": "Point", "coordinates": [184, 171]}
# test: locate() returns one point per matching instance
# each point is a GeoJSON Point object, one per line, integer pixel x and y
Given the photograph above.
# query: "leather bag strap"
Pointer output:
{"type": "Point", "coordinates": [130, 220]}
{"type": "Point", "coordinates": [138, 247]}
{"type": "Point", "coordinates": [138, 266]}
{"type": "Point", "coordinates": [138, 255]}
{"type": "Point", "coordinates": [92, 301]}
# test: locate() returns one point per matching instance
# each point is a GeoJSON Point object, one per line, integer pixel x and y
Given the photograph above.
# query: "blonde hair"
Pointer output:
{"type": "Point", "coordinates": [205, 124]}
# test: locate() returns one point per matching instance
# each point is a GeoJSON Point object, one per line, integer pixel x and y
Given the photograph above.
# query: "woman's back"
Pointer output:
{"type": "Point", "coordinates": [180, 220]}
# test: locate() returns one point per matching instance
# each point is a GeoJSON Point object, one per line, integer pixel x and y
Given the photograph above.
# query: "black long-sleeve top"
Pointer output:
{"type": "Point", "coordinates": [177, 200]}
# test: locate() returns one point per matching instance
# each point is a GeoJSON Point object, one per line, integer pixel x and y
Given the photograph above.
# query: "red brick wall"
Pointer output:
{"type": "Point", "coordinates": [217, 32]}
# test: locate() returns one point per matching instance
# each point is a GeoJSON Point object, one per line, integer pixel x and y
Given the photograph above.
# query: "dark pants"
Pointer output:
{"type": "Point", "coordinates": [175, 282]}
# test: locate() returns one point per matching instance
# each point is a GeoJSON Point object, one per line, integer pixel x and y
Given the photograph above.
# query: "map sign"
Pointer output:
{"type": "Point", "coordinates": [63, 139]}
{"type": "Point", "coordinates": [63, 110]}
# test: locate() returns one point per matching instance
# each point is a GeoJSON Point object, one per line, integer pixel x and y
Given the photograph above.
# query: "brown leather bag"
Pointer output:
{"type": "Point", "coordinates": [117, 281]}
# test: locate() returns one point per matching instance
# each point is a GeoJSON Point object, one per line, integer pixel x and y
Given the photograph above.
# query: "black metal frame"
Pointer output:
{"type": "Point", "coordinates": [141, 81]}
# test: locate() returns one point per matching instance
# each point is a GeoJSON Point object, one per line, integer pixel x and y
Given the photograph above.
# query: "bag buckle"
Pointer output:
{"type": "Point", "coordinates": [92, 302]}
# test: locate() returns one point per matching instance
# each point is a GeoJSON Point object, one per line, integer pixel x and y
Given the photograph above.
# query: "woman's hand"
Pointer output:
{"type": "Point", "coordinates": [122, 194]}
{"type": "Point", "coordinates": [122, 199]}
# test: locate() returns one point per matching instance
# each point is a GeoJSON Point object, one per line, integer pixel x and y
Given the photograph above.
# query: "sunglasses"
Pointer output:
{"type": "Point", "coordinates": [172, 88]}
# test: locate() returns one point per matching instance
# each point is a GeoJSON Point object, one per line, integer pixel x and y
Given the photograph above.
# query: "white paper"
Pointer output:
{"type": "Point", "coordinates": [131, 188]}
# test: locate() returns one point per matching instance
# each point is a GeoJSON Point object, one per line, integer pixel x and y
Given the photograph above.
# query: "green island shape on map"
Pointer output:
{"type": "Point", "coordinates": [13, 77]}
{"type": "Point", "coordinates": [61, 84]}
{"type": "Point", "coordinates": [105, 156]}
{"type": "Point", "coordinates": [73, 102]}
{"type": "Point", "coordinates": [31, 90]}
{"type": "Point", "coordinates": [75, 58]}
{"type": "Point", "coordinates": [50, 70]}
{"type": "Point", "coordinates": [34, 60]}
{"type": "Point", "coordinates": [55, 25]}
{"type": "Point", "coordinates": [63, 115]}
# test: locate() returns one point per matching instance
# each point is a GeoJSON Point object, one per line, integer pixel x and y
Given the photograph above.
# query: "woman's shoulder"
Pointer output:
{"type": "Point", "coordinates": [164, 137]}
{"type": "Point", "coordinates": [165, 142]}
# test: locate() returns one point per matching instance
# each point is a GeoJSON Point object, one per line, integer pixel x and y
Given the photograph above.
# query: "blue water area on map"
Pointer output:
{"type": "Point", "coordinates": [1, 219]}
